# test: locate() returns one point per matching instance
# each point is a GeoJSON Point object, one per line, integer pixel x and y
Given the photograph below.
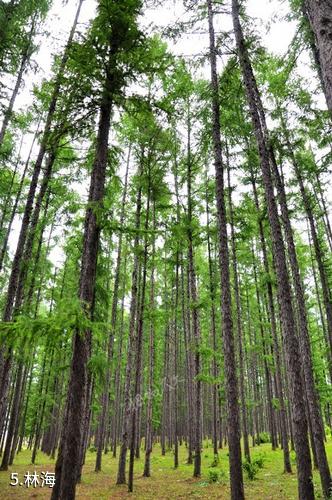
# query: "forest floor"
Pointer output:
{"type": "Point", "coordinates": [165, 482]}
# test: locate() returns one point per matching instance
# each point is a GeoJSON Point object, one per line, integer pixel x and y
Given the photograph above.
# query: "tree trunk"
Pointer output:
{"type": "Point", "coordinates": [300, 426]}
{"type": "Point", "coordinates": [68, 468]}
{"type": "Point", "coordinates": [139, 350]}
{"type": "Point", "coordinates": [238, 317]}
{"type": "Point", "coordinates": [276, 348]}
{"type": "Point", "coordinates": [320, 17]}
{"type": "Point", "coordinates": [114, 313]}
{"type": "Point", "coordinates": [121, 476]}
{"type": "Point", "coordinates": [304, 337]}
{"type": "Point", "coordinates": [149, 409]}
{"type": "Point", "coordinates": [212, 286]}
{"type": "Point", "coordinates": [195, 316]}
{"type": "Point", "coordinates": [17, 199]}
{"type": "Point", "coordinates": [233, 416]}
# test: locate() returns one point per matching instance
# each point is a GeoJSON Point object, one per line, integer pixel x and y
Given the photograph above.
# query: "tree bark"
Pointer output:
{"type": "Point", "coordinates": [233, 416]}
{"type": "Point", "coordinates": [238, 317]}
{"type": "Point", "coordinates": [121, 476]}
{"type": "Point", "coordinates": [139, 348]}
{"type": "Point", "coordinates": [300, 425]}
{"type": "Point", "coordinates": [195, 315]}
{"type": "Point", "coordinates": [304, 337]}
{"type": "Point", "coordinates": [149, 409]}
{"type": "Point", "coordinates": [114, 313]}
{"type": "Point", "coordinates": [320, 17]}
{"type": "Point", "coordinates": [68, 468]}
{"type": "Point", "coordinates": [276, 348]}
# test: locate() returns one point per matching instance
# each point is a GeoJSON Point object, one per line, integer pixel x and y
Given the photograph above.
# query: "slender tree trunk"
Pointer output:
{"type": "Point", "coordinates": [233, 415]}
{"type": "Point", "coordinates": [149, 409]}
{"type": "Point", "coordinates": [320, 17]}
{"type": "Point", "coordinates": [139, 350]}
{"type": "Point", "coordinates": [68, 464]}
{"type": "Point", "coordinates": [9, 194]}
{"type": "Point", "coordinates": [321, 199]}
{"type": "Point", "coordinates": [311, 393]}
{"type": "Point", "coordinates": [121, 476]}
{"type": "Point", "coordinates": [195, 316]}
{"type": "Point", "coordinates": [13, 417]}
{"type": "Point", "coordinates": [17, 199]}
{"type": "Point", "coordinates": [114, 312]}
{"type": "Point", "coordinates": [176, 326]}
{"type": "Point", "coordinates": [276, 348]}
{"type": "Point", "coordinates": [268, 379]}
{"type": "Point", "coordinates": [42, 411]}
{"type": "Point", "coordinates": [117, 382]}
{"type": "Point", "coordinates": [28, 248]}
{"type": "Point", "coordinates": [300, 426]}
{"type": "Point", "coordinates": [238, 318]}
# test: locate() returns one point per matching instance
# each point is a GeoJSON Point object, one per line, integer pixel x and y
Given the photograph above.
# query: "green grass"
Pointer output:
{"type": "Point", "coordinates": [165, 482]}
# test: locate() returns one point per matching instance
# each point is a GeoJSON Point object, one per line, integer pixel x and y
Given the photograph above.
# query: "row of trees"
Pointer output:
{"type": "Point", "coordinates": [193, 300]}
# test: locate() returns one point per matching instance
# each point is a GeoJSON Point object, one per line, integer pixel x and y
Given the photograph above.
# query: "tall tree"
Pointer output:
{"type": "Point", "coordinates": [119, 22]}
{"type": "Point", "coordinates": [290, 339]}
{"type": "Point", "coordinates": [319, 14]}
{"type": "Point", "coordinates": [233, 417]}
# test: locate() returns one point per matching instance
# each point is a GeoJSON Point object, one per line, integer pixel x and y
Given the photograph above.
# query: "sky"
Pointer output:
{"type": "Point", "coordinates": [276, 34]}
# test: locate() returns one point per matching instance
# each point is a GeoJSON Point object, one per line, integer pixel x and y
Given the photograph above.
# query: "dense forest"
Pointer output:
{"type": "Point", "coordinates": [165, 250]}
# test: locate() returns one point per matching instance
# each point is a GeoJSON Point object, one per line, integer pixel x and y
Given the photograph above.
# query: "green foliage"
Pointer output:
{"type": "Point", "coordinates": [216, 476]}
{"type": "Point", "coordinates": [216, 461]}
{"type": "Point", "coordinates": [264, 437]}
{"type": "Point", "coordinates": [259, 460]}
{"type": "Point", "coordinates": [251, 468]}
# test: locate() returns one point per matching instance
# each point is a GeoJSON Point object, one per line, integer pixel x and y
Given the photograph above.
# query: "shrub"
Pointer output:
{"type": "Point", "coordinates": [259, 460]}
{"type": "Point", "coordinates": [216, 476]}
{"type": "Point", "coordinates": [215, 462]}
{"type": "Point", "coordinates": [213, 476]}
{"type": "Point", "coordinates": [251, 468]}
{"type": "Point", "coordinates": [293, 457]}
{"type": "Point", "coordinates": [264, 437]}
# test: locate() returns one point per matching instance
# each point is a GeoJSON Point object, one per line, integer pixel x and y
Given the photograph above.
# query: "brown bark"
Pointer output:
{"type": "Point", "coordinates": [110, 347]}
{"type": "Point", "coordinates": [149, 409]}
{"type": "Point", "coordinates": [238, 318]}
{"type": "Point", "coordinates": [117, 380]}
{"type": "Point", "coordinates": [320, 17]}
{"type": "Point", "coordinates": [16, 201]}
{"type": "Point", "coordinates": [139, 350]}
{"type": "Point", "coordinates": [233, 416]}
{"type": "Point", "coordinates": [78, 382]}
{"type": "Point", "coordinates": [121, 476]}
{"type": "Point", "coordinates": [276, 348]}
{"type": "Point", "coordinates": [13, 417]}
{"type": "Point", "coordinates": [304, 337]}
{"type": "Point", "coordinates": [195, 315]}
{"type": "Point", "coordinates": [212, 286]}
{"type": "Point", "coordinates": [300, 426]}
